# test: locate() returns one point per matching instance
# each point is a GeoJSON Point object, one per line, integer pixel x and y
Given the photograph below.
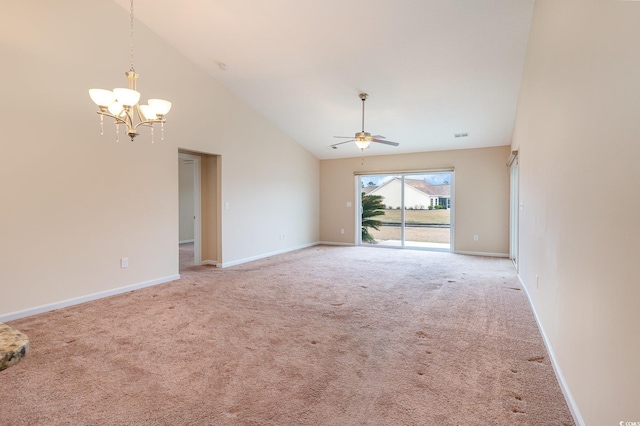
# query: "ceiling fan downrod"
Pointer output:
{"type": "Point", "coordinates": [364, 97]}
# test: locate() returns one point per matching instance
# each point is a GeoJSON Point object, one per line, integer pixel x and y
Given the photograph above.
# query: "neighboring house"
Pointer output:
{"type": "Point", "coordinates": [368, 189]}
{"type": "Point", "coordinates": [418, 194]}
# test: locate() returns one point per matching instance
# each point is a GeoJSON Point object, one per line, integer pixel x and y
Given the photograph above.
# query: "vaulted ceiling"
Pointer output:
{"type": "Point", "coordinates": [432, 68]}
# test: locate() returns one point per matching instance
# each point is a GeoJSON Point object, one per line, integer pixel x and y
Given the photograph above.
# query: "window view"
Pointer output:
{"type": "Point", "coordinates": [411, 210]}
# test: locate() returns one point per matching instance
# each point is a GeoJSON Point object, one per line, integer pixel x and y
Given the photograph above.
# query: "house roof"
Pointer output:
{"type": "Point", "coordinates": [427, 188]}
{"type": "Point", "coordinates": [420, 185]}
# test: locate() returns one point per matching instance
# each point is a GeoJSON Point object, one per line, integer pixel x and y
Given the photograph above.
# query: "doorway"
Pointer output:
{"type": "Point", "coordinates": [408, 210]}
{"type": "Point", "coordinates": [189, 196]}
{"type": "Point", "coordinates": [514, 208]}
{"type": "Point", "coordinates": [200, 216]}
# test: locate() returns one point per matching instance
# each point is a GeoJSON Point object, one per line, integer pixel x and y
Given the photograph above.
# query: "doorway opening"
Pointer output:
{"type": "Point", "coordinates": [514, 208]}
{"type": "Point", "coordinates": [189, 195]}
{"type": "Point", "coordinates": [409, 210]}
{"type": "Point", "coordinates": [199, 189]}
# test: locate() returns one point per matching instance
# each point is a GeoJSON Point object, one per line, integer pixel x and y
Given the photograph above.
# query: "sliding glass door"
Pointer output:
{"type": "Point", "coordinates": [407, 210]}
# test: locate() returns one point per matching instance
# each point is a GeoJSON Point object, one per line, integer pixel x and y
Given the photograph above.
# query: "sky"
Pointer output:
{"type": "Point", "coordinates": [432, 178]}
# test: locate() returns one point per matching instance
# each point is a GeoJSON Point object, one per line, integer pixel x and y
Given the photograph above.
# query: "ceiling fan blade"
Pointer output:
{"type": "Point", "coordinates": [344, 137]}
{"type": "Point", "coordinates": [335, 145]}
{"type": "Point", "coordinates": [385, 142]}
{"type": "Point", "coordinates": [378, 137]}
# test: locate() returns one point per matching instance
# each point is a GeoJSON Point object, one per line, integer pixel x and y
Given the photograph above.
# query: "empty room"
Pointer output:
{"type": "Point", "coordinates": [320, 213]}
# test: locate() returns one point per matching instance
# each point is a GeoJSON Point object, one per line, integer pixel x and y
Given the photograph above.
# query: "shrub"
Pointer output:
{"type": "Point", "coordinates": [372, 206]}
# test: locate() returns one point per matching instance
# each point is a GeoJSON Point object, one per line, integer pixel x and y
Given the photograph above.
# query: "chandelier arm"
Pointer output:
{"type": "Point", "coordinates": [128, 118]}
{"type": "Point", "coordinates": [119, 120]}
{"type": "Point", "coordinates": [141, 117]}
{"type": "Point", "coordinates": [146, 121]}
{"type": "Point", "coordinates": [149, 123]}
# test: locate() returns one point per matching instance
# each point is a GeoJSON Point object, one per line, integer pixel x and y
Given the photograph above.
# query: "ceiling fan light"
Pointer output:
{"type": "Point", "coordinates": [362, 144]}
{"type": "Point", "coordinates": [160, 106]}
{"type": "Point", "coordinates": [102, 97]}
{"type": "Point", "coordinates": [126, 97]}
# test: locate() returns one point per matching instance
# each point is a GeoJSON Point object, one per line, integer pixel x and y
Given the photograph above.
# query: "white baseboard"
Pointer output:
{"type": "Point", "coordinates": [185, 241]}
{"type": "Point", "coordinates": [82, 299]}
{"type": "Point", "coordinates": [262, 256]}
{"type": "Point", "coordinates": [481, 253]}
{"type": "Point", "coordinates": [573, 407]}
{"type": "Point", "coordinates": [333, 243]}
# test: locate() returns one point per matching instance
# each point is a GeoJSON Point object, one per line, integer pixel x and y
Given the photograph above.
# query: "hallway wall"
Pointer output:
{"type": "Point", "coordinates": [578, 133]}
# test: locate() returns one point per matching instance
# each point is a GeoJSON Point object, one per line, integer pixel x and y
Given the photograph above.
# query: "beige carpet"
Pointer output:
{"type": "Point", "coordinates": [322, 336]}
{"type": "Point", "coordinates": [186, 256]}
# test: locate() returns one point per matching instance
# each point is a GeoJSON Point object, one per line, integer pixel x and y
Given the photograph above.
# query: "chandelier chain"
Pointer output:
{"type": "Point", "coordinates": [131, 33]}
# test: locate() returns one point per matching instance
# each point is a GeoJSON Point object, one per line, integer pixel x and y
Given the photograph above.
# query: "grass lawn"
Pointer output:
{"type": "Point", "coordinates": [425, 235]}
{"type": "Point", "coordinates": [416, 216]}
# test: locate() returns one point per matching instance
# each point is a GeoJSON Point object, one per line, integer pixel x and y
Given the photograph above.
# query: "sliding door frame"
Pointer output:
{"type": "Point", "coordinates": [402, 175]}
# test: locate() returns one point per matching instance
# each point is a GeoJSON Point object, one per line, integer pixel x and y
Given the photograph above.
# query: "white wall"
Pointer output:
{"type": "Point", "coordinates": [75, 202]}
{"type": "Point", "coordinates": [481, 194]}
{"type": "Point", "coordinates": [578, 133]}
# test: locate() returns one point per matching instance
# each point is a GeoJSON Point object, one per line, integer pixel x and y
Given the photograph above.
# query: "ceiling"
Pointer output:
{"type": "Point", "coordinates": [432, 68]}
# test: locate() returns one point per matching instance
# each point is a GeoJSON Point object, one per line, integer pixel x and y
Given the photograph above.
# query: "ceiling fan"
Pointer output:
{"type": "Point", "coordinates": [363, 139]}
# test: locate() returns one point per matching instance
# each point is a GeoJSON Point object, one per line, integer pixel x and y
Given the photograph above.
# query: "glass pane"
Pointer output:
{"type": "Point", "coordinates": [427, 204]}
{"type": "Point", "coordinates": [381, 208]}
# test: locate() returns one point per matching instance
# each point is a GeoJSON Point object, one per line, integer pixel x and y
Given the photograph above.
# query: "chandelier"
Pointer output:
{"type": "Point", "coordinates": [121, 104]}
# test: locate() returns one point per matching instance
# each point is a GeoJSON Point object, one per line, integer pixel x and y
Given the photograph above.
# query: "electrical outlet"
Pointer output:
{"type": "Point", "coordinates": [342, 231]}
{"type": "Point", "coordinates": [348, 203]}
{"type": "Point", "coordinates": [475, 238]}
{"type": "Point", "coordinates": [124, 262]}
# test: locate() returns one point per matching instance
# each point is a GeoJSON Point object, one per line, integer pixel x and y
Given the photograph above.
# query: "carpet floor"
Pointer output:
{"type": "Point", "coordinates": [321, 336]}
{"type": "Point", "coordinates": [186, 251]}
